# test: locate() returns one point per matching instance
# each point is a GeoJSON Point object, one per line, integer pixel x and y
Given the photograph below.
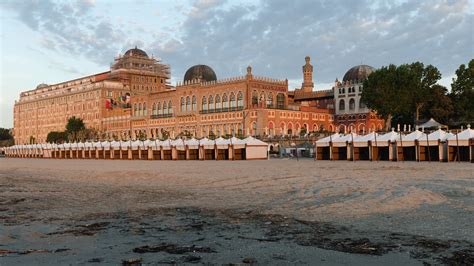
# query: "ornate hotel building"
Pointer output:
{"type": "Point", "coordinates": [135, 99]}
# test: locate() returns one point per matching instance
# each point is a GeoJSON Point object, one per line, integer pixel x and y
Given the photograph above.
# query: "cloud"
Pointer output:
{"type": "Point", "coordinates": [273, 36]}
{"type": "Point", "coordinates": [70, 28]}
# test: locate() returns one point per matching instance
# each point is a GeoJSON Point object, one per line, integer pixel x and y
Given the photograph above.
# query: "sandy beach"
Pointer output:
{"type": "Point", "coordinates": [275, 212]}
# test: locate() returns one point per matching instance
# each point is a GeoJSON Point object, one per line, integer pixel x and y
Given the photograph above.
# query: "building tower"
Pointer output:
{"type": "Point", "coordinates": [308, 84]}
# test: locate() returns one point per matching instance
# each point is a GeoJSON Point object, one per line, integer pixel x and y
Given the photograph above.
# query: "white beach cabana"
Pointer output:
{"type": "Point", "coordinates": [362, 146]}
{"type": "Point", "coordinates": [408, 149]}
{"type": "Point", "coordinates": [166, 149]}
{"type": "Point", "coordinates": [192, 149]}
{"type": "Point", "coordinates": [222, 148]}
{"type": "Point", "coordinates": [324, 147]}
{"type": "Point", "coordinates": [208, 149]}
{"type": "Point", "coordinates": [384, 146]}
{"type": "Point", "coordinates": [341, 147]}
{"type": "Point", "coordinates": [238, 148]}
{"type": "Point", "coordinates": [255, 149]}
{"type": "Point", "coordinates": [155, 149]}
{"type": "Point", "coordinates": [433, 147]}
{"type": "Point", "coordinates": [460, 146]}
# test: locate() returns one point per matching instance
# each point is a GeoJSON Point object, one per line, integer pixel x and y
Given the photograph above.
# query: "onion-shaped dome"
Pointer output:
{"type": "Point", "coordinates": [136, 52]}
{"type": "Point", "coordinates": [201, 72]}
{"type": "Point", "coordinates": [360, 72]}
{"type": "Point", "coordinates": [42, 85]}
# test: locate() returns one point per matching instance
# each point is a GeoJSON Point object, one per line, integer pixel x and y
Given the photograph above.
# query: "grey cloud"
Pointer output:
{"type": "Point", "coordinates": [69, 28]}
{"type": "Point", "coordinates": [338, 34]}
{"type": "Point", "coordinates": [273, 36]}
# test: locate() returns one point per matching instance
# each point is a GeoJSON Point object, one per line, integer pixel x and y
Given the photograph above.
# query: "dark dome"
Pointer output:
{"type": "Point", "coordinates": [360, 72]}
{"type": "Point", "coordinates": [136, 52]}
{"type": "Point", "coordinates": [42, 85]}
{"type": "Point", "coordinates": [202, 72]}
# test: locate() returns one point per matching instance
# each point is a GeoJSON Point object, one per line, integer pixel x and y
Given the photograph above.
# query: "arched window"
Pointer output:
{"type": "Point", "coordinates": [240, 100]}
{"type": "Point", "coordinates": [270, 100]}
{"type": "Point", "coordinates": [182, 104]}
{"type": "Point", "coordinates": [225, 102]}
{"type": "Point", "coordinates": [170, 107]}
{"type": "Point", "coordinates": [232, 101]}
{"type": "Point", "coordinates": [194, 107]}
{"type": "Point", "coordinates": [218, 103]}
{"type": "Point", "coordinates": [188, 104]}
{"type": "Point", "coordinates": [254, 98]}
{"type": "Point", "coordinates": [165, 108]}
{"type": "Point", "coordinates": [139, 108]}
{"type": "Point", "coordinates": [144, 109]}
{"type": "Point", "coordinates": [281, 101]}
{"type": "Point", "coordinates": [204, 104]}
{"type": "Point", "coordinates": [211, 103]}
{"type": "Point", "coordinates": [135, 110]}
{"type": "Point", "coordinates": [352, 104]}
{"type": "Point", "coordinates": [160, 111]}
{"type": "Point", "coordinates": [153, 112]}
{"type": "Point", "coordinates": [261, 99]}
{"type": "Point", "coordinates": [342, 105]}
{"type": "Point", "coordinates": [254, 128]}
{"type": "Point", "coordinates": [362, 105]}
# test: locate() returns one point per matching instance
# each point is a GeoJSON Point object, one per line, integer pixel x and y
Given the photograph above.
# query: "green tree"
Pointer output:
{"type": "Point", "coordinates": [56, 137]}
{"type": "Point", "coordinates": [400, 92]}
{"type": "Point", "coordinates": [382, 92]}
{"type": "Point", "coordinates": [5, 134]}
{"type": "Point", "coordinates": [420, 86]}
{"type": "Point", "coordinates": [73, 127]}
{"type": "Point", "coordinates": [462, 93]}
{"type": "Point", "coordinates": [439, 105]}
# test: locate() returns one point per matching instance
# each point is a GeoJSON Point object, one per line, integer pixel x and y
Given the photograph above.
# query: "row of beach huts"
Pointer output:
{"type": "Point", "coordinates": [438, 145]}
{"type": "Point", "coordinates": [178, 149]}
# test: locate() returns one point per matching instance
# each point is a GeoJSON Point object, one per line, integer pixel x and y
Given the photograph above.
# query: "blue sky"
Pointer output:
{"type": "Point", "coordinates": [52, 41]}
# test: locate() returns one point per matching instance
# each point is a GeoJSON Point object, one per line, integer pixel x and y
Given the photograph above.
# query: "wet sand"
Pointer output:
{"type": "Point", "coordinates": [263, 212]}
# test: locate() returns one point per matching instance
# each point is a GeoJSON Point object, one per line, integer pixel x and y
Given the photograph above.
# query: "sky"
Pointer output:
{"type": "Point", "coordinates": [47, 41]}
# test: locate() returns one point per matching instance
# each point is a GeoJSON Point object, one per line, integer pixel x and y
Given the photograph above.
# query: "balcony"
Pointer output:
{"type": "Point", "coordinates": [161, 116]}
{"type": "Point", "coordinates": [222, 110]}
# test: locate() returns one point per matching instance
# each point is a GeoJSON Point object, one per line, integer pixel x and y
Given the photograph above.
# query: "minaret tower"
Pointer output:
{"type": "Point", "coordinates": [308, 84]}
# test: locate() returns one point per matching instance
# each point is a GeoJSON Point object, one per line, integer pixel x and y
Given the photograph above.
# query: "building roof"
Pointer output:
{"type": "Point", "coordinates": [359, 72]}
{"type": "Point", "coordinates": [314, 95]}
{"type": "Point", "coordinates": [200, 72]}
{"type": "Point", "coordinates": [136, 52]}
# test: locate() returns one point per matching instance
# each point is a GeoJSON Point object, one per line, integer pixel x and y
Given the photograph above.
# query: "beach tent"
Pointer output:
{"type": "Point", "coordinates": [115, 147]}
{"type": "Point", "coordinates": [362, 146]}
{"type": "Point", "coordinates": [238, 148]}
{"type": "Point", "coordinates": [432, 124]}
{"type": "Point", "coordinates": [208, 149]}
{"type": "Point", "coordinates": [106, 147]}
{"type": "Point", "coordinates": [126, 149]}
{"type": "Point", "coordinates": [255, 149]}
{"type": "Point", "coordinates": [324, 147]}
{"type": "Point", "coordinates": [81, 149]}
{"type": "Point", "coordinates": [460, 146]}
{"type": "Point", "coordinates": [135, 148]}
{"type": "Point", "coordinates": [89, 150]}
{"type": "Point", "coordinates": [74, 150]}
{"type": "Point", "coordinates": [408, 146]}
{"type": "Point", "coordinates": [341, 147]}
{"type": "Point", "coordinates": [97, 145]}
{"type": "Point", "coordinates": [155, 149]}
{"type": "Point", "coordinates": [178, 149]}
{"type": "Point", "coordinates": [222, 148]}
{"type": "Point", "coordinates": [383, 147]}
{"type": "Point", "coordinates": [167, 151]}
{"type": "Point", "coordinates": [192, 149]}
{"type": "Point", "coordinates": [433, 147]}
{"type": "Point", "coordinates": [54, 150]}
